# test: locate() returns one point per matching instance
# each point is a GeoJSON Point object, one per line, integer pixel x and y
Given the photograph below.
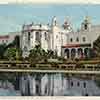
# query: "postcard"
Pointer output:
{"type": "Point", "coordinates": [49, 50]}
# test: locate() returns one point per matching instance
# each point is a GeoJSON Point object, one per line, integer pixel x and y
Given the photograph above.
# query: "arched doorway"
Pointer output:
{"type": "Point", "coordinates": [92, 53]}
{"type": "Point", "coordinates": [87, 52]}
{"type": "Point", "coordinates": [80, 53]}
{"type": "Point", "coordinates": [66, 53]}
{"type": "Point", "coordinates": [73, 53]}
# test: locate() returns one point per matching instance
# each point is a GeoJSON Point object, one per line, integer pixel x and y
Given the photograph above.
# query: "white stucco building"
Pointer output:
{"type": "Point", "coordinates": [50, 37]}
{"type": "Point", "coordinates": [61, 38]}
{"type": "Point", "coordinates": [80, 44]}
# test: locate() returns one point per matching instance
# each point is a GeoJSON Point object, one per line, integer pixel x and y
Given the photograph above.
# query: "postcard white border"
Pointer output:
{"type": "Point", "coordinates": [51, 1]}
{"type": "Point", "coordinates": [49, 98]}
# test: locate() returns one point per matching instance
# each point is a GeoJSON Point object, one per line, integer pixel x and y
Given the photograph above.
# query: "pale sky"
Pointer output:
{"type": "Point", "coordinates": [13, 16]}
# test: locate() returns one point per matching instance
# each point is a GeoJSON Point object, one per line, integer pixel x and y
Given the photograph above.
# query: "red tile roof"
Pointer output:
{"type": "Point", "coordinates": [4, 37]}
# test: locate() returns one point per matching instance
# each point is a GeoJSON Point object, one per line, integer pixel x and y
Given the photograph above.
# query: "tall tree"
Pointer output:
{"type": "Point", "coordinates": [2, 50]}
{"type": "Point", "coordinates": [15, 42]}
{"type": "Point", "coordinates": [96, 46]}
{"type": "Point", "coordinates": [12, 53]}
{"type": "Point", "coordinates": [37, 54]}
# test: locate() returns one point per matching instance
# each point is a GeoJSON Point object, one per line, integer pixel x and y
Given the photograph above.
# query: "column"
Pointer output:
{"type": "Point", "coordinates": [83, 52]}
{"type": "Point", "coordinates": [76, 54]}
{"type": "Point", "coordinates": [70, 53]}
{"type": "Point", "coordinates": [89, 55]}
{"type": "Point", "coordinates": [62, 52]}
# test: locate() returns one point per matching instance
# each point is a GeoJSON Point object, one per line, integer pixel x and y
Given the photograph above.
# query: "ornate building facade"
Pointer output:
{"type": "Point", "coordinates": [80, 43]}
{"type": "Point", "coordinates": [50, 37]}
{"type": "Point", "coordinates": [61, 38]}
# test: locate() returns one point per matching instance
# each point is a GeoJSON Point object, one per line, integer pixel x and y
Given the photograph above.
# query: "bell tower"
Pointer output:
{"type": "Point", "coordinates": [55, 36]}
{"type": "Point", "coordinates": [86, 24]}
{"type": "Point", "coordinates": [67, 24]}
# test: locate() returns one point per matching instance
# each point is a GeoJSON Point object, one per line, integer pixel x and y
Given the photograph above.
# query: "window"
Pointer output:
{"type": "Point", "coordinates": [85, 26]}
{"type": "Point", "coordinates": [77, 39]}
{"type": "Point", "coordinates": [84, 39]}
{"type": "Point", "coordinates": [71, 40]}
{"type": "Point", "coordinates": [45, 35]}
{"type": "Point", "coordinates": [29, 36]}
{"type": "Point", "coordinates": [37, 36]}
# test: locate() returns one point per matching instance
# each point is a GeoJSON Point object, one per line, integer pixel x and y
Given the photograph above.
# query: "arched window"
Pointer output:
{"type": "Point", "coordinates": [45, 35]}
{"type": "Point", "coordinates": [29, 36]}
{"type": "Point", "coordinates": [85, 26]}
{"type": "Point", "coordinates": [87, 52]}
{"type": "Point", "coordinates": [84, 39]}
{"type": "Point", "coordinates": [80, 53]}
{"type": "Point", "coordinates": [37, 36]}
{"type": "Point", "coordinates": [77, 39]}
{"type": "Point", "coordinates": [71, 40]}
{"type": "Point", "coordinates": [66, 53]}
{"type": "Point", "coordinates": [73, 53]}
